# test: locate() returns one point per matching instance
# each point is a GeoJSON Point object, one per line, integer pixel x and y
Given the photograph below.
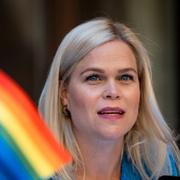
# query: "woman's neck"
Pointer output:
{"type": "Point", "coordinates": [102, 159]}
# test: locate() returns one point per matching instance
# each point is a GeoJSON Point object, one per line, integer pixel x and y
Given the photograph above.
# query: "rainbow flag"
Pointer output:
{"type": "Point", "coordinates": [28, 150]}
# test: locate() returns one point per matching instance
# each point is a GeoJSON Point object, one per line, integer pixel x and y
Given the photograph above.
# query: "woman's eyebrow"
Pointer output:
{"type": "Point", "coordinates": [92, 69]}
{"type": "Point", "coordinates": [123, 70]}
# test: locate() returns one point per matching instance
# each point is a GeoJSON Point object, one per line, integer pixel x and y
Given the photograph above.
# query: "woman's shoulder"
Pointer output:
{"type": "Point", "coordinates": [172, 163]}
{"type": "Point", "coordinates": [130, 171]}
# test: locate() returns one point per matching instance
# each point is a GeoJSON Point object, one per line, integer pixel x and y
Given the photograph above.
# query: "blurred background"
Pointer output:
{"type": "Point", "coordinates": [31, 30]}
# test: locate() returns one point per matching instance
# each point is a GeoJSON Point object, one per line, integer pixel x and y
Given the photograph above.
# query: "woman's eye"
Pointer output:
{"type": "Point", "coordinates": [93, 77]}
{"type": "Point", "coordinates": [126, 77]}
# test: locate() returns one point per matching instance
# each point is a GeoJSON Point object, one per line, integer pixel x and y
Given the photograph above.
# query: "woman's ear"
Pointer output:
{"type": "Point", "coordinates": [64, 95]}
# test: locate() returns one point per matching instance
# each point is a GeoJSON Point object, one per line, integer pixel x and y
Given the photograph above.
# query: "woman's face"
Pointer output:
{"type": "Point", "coordinates": [103, 93]}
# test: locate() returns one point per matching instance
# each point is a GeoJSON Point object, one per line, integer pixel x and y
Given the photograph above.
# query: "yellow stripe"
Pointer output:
{"type": "Point", "coordinates": [25, 119]}
{"type": "Point", "coordinates": [25, 143]}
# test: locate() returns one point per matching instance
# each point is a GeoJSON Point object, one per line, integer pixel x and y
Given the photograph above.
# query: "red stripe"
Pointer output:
{"type": "Point", "coordinates": [18, 95]}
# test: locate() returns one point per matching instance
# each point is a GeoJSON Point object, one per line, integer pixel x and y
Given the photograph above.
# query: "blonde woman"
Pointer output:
{"type": "Point", "coordinates": [99, 102]}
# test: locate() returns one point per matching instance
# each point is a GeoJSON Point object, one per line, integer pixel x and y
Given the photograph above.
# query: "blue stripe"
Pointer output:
{"type": "Point", "coordinates": [11, 164]}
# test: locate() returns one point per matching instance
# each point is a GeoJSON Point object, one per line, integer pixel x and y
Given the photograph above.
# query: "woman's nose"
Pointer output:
{"type": "Point", "coordinates": [111, 91]}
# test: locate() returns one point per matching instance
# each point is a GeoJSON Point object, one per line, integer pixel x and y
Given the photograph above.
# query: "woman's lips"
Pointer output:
{"type": "Point", "coordinates": [111, 113]}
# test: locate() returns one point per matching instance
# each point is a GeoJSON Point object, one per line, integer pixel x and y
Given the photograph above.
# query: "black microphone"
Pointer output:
{"type": "Point", "coordinates": [168, 177]}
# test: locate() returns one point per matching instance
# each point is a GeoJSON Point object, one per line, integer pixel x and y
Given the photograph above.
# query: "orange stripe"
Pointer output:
{"type": "Point", "coordinates": [17, 94]}
{"type": "Point", "coordinates": [32, 134]}
{"type": "Point", "coordinates": [24, 100]}
{"type": "Point", "coordinates": [24, 143]}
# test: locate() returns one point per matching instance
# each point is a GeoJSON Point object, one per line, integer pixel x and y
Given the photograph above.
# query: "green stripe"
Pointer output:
{"type": "Point", "coordinates": [18, 152]}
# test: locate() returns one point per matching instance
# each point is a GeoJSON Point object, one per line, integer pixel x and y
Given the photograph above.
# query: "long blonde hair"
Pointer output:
{"type": "Point", "coordinates": [146, 143]}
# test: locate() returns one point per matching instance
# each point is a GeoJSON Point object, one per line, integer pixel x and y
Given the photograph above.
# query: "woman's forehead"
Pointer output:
{"type": "Point", "coordinates": [111, 53]}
